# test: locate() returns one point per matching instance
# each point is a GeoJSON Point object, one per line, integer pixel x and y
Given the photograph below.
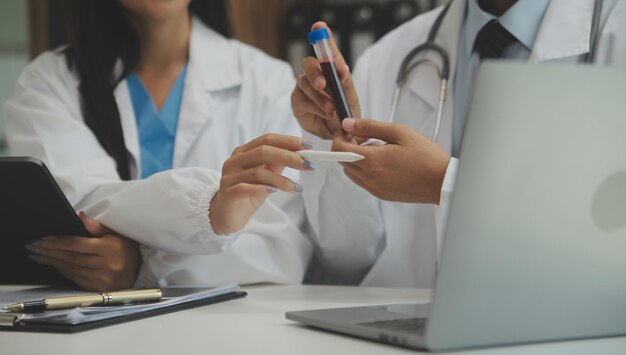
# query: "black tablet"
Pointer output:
{"type": "Point", "coordinates": [31, 206]}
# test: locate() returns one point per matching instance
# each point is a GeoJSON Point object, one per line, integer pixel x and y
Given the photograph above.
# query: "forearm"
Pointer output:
{"type": "Point", "coordinates": [168, 211]}
{"type": "Point", "coordinates": [270, 249]}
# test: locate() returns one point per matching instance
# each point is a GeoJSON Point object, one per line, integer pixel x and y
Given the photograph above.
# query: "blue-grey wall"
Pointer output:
{"type": "Point", "coordinates": [13, 51]}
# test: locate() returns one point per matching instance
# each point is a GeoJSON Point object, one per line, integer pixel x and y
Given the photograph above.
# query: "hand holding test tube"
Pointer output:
{"type": "Point", "coordinates": [319, 39]}
{"type": "Point", "coordinates": [312, 99]}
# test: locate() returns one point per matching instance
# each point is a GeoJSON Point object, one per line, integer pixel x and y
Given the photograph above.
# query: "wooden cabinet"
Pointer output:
{"type": "Point", "coordinates": [255, 22]}
{"type": "Point", "coordinates": [260, 22]}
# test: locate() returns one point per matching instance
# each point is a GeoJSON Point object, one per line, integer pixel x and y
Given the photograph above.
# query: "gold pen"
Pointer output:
{"type": "Point", "coordinates": [10, 319]}
{"type": "Point", "coordinates": [96, 299]}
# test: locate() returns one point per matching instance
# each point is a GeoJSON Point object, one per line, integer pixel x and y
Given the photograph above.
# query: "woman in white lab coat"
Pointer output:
{"type": "Point", "coordinates": [387, 230]}
{"type": "Point", "coordinates": [220, 214]}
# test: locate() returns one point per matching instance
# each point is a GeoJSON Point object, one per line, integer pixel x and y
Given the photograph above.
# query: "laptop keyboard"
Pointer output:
{"type": "Point", "coordinates": [416, 326]}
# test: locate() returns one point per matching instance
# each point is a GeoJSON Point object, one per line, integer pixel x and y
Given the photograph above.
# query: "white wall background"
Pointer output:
{"type": "Point", "coordinates": [13, 51]}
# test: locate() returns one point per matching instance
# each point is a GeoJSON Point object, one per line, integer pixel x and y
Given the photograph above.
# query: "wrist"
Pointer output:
{"type": "Point", "coordinates": [214, 218]}
{"type": "Point", "coordinates": [221, 221]}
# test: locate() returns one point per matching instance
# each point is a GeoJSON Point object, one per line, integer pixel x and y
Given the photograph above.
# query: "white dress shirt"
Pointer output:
{"type": "Point", "coordinates": [522, 20]}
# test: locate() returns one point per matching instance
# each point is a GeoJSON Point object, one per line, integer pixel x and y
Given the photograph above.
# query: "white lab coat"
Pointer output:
{"type": "Point", "coordinates": [232, 94]}
{"type": "Point", "coordinates": [362, 239]}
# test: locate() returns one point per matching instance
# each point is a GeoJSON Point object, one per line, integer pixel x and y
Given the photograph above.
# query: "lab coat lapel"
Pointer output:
{"type": "Point", "coordinates": [129, 124]}
{"type": "Point", "coordinates": [425, 82]}
{"type": "Point", "coordinates": [213, 67]}
{"type": "Point", "coordinates": [565, 31]}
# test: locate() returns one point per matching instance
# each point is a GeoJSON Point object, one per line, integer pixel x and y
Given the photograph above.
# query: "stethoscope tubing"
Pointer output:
{"type": "Point", "coordinates": [406, 68]}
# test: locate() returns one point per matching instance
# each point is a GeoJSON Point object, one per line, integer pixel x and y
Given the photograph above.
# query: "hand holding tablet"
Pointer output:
{"type": "Point", "coordinates": [318, 155]}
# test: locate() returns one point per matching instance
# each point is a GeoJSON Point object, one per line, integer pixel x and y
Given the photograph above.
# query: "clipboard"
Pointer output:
{"type": "Point", "coordinates": [16, 322]}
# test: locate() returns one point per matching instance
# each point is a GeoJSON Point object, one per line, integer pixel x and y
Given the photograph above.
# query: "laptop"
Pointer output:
{"type": "Point", "coordinates": [535, 248]}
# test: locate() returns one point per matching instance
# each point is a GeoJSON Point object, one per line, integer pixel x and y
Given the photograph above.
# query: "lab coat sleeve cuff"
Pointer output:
{"type": "Point", "coordinates": [204, 195]}
{"type": "Point", "coordinates": [447, 188]}
{"type": "Point", "coordinates": [449, 179]}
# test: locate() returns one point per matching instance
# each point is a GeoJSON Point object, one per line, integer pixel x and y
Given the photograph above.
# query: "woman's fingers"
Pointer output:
{"type": "Point", "coordinates": [266, 154]}
{"type": "Point", "coordinates": [272, 152]}
{"type": "Point", "coordinates": [264, 177]}
{"type": "Point", "coordinates": [83, 281]}
{"type": "Point", "coordinates": [77, 244]}
{"type": "Point", "coordinates": [85, 245]}
{"type": "Point", "coordinates": [114, 268]}
{"type": "Point", "coordinates": [275, 140]}
{"type": "Point", "coordinates": [56, 263]}
{"type": "Point", "coordinates": [245, 190]}
{"type": "Point", "coordinates": [252, 173]}
{"type": "Point", "coordinates": [80, 277]}
{"type": "Point", "coordinates": [75, 258]}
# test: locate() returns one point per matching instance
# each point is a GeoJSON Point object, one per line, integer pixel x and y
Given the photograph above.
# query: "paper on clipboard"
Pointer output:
{"type": "Point", "coordinates": [91, 314]}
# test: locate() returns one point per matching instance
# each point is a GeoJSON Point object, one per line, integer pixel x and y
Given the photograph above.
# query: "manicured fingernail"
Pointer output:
{"type": "Point", "coordinates": [348, 124]}
{"type": "Point", "coordinates": [308, 165]}
{"type": "Point", "coordinates": [31, 248]}
{"type": "Point", "coordinates": [34, 258]}
{"type": "Point", "coordinates": [307, 144]}
{"type": "Point", "coordinates": [37, 243]}
{"type": "Point", "coordinates": [271, 189]}
{"type": "Point", "coordinates": [298, 187]}
{"type": "Point", "coordinates": [319, 83]}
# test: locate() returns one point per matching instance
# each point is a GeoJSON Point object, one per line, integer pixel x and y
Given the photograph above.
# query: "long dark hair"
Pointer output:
{"type": "Point", "coordinates": [100, 35]}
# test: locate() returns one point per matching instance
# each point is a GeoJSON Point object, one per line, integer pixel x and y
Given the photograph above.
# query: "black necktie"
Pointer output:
{"type": "Point", "coordinates": [492, 39]}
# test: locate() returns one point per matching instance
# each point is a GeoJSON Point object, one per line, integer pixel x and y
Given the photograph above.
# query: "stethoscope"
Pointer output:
{"type": "Point", "coordinates": [443, 70]}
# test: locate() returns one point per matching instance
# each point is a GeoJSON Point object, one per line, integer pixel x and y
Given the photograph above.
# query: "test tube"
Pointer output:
{"type": "Point", "coordinates": [319, 39]}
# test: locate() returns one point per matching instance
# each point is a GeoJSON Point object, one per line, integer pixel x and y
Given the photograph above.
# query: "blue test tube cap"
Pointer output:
{"type": "Point", "coordinates": [318, 35]}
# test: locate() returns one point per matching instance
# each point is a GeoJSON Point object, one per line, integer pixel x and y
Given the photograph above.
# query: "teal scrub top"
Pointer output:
{"type": "Point", "coordinates": [156, 129]}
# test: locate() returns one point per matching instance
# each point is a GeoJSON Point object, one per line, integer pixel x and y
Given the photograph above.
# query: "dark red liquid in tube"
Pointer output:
{"type": "Point", "coordinates": [333, 84]}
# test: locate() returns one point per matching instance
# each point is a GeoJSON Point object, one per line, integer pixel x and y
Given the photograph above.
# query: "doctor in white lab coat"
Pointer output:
{"type": "Point", "coordinates": [232, 94]}
{"type": "Point", "coordinates": [380, 222]}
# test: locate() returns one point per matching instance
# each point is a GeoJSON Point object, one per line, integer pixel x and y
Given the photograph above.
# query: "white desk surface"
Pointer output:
{"type": "Point", "coordinates": [257, 325]}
